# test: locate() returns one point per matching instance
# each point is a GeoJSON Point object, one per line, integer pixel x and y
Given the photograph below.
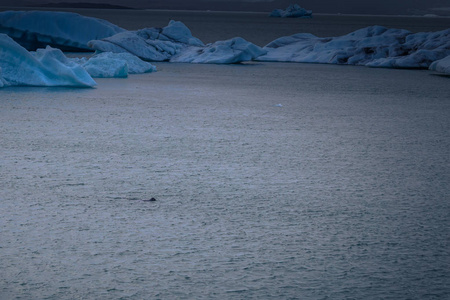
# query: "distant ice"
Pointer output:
{"type": "Point", "coordinates": [442, 65]}
{"type": "Point", "coordinates": [374, 46]}
{"type": "Point", "coordinates": [175, 43]}
{"type": "Point", "coordinates": [62, 30]}
{"type": "Point", "coordinates": [292, 11]}
{"type": "Point", "coordinates": [107, 64]}
{"type": "Point", "coordinates": [45, 67]}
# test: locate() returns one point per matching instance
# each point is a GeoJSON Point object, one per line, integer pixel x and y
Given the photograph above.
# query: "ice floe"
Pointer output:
{"type": "Point", "coordinates": [442, 65]}
{"type": "Point", "coordinates": [45, 67]}
{"type": "Point", "coordinates": [292, 11]}
{"type": "Point", "coordinates": [107, 64]}
{"type": "Point", "coordinates": [175, 43]}
{"type": "Point", "coordinates": [374, 46]}
{"type": "Point", "coordinates": [62, 30]}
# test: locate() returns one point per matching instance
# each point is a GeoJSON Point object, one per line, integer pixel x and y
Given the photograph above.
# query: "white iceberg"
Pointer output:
{"type": "Point", "coordinates": [292, 11]}
{"type": "Point", "coordinates": [62, 30]}
{"type": "Point", "coordinates": [442, 65]}
{"type": "Point", "coordinates": [222, 52]}
{"type": "Point", "coordinates": [107, 65]}
{"type": "Point", "coordinates": [151, 44]}
{"type": "Point", "coordinates": [45, 67]}
{"type": "Point", "coordinates": [374, 46]}
{"type": "Point", "coordinates": [175, 43]}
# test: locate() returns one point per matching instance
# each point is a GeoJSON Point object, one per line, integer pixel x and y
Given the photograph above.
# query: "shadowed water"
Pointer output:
{"type": "Point", "coordinates": [272, 181]}
{"type": "Point", "coordinates": [257, 28]}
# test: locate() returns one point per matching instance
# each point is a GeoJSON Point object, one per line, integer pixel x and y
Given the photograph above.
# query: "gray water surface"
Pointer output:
{"type": "Point", "coordinates": [272, 180]}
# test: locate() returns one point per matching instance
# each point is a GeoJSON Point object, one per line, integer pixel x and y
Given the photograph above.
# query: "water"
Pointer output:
{"type": "Point", "coordinates": [257, 28]}
{"type": "Point", "coordinates": [272, 180]}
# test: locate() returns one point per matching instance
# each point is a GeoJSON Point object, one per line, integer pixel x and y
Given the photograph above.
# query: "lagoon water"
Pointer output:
{"type": "Point", "coordinates": [272, 181]}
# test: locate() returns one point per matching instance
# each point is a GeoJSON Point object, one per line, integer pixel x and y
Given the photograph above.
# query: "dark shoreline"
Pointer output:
{"type": "Point", "coordinates": [82, 5]}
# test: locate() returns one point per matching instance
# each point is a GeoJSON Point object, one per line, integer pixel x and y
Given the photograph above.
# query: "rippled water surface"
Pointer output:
{"type": "Point", "coordinates": [272, 181]}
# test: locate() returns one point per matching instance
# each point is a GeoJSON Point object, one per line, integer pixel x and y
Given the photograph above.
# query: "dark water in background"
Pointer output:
{"type": "Point", "coordinates": [272, 180]}
{"type": "Point", "coordinates": [258, 28]}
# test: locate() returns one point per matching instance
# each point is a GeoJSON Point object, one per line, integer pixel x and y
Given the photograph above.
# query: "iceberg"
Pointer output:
{"type": "Point", "coordinates": [374, 46]}
{"type": "Point", "coordinates": [292, 11]}
{"type": "Point", "coordinates": [442, 65]}
{"type": "Point", "coordinates": [62, 30]}
{"type": "Point", "coordinates": [151, 44]}
{"type": "Point", "coordinates": [45, 67]}
{"type": "Point", "coordinates": [231, 51]}
{"type": "Point", "coordinates": [175, 43]}
{"type": "Point", "coordinates": [107, 65]}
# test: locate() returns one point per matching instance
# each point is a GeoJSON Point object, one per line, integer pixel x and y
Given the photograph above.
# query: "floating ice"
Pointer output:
{"type": "Point", "coordinates": [109, 64]}
{"type": "Point", "coordinates": [222, 52]}
{"type": "Point", "coordinates": [374, 46]}
{"type": "Point", "coordinates": [45, 67]}
{"type": "Point", "coordinates": [63, 30]}
{"type": "Point", "coordinates": [292, 11]}
{"type": "Point", "coordinates": [442, 65]}
{"type": "Point", "coordinates": [175, 43]}
{"type": "Point", "coordinates": [152, 44]}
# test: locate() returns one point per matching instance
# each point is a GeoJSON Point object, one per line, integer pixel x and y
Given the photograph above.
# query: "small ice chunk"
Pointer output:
{"type": "Point", "coordinates": [177, 31]}
{"type": "Point", "coordinates": [442, 65]}
{"type": "Point", "coordinates": [292, 11]}
{"type": "Point", "coordinates": [107, 64]}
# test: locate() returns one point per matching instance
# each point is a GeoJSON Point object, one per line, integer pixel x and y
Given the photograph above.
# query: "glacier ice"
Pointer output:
{"type": "Point", "coordinates": [151, 44]}
{"type": "Point", "coordinates": [62, 30]}
{"type": "Point", "coordinates": [121, 52]}
{"type": "Point", "coordinates": [45, 67]}
{"type": "Point", "coordinates": [292, 11]}
{"type": "Point", "coordinates": [374, 46]}
{"type": "Point", "coordinates": [222, 52]}
{"type": "Point", "coordinates": [108, 64]}
{"type": "Point", "coordinates": [442, 65]}
{"type": "Point", "coordinates": [175, 43]}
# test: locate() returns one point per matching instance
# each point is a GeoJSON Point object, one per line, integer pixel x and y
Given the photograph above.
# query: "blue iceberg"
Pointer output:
{"type": "Point", "coordinates": [151, 44]}
{"type": "Point", "coordinates": [231, 51]}
{"type": "Point", "coordinates": [108, 64]}
{"type": "Point", "coordinates": [175, 43]}
{"type": "Point", "coordinates": [374, 46]}
{"type": "Point", "coordinates": [45, 67]}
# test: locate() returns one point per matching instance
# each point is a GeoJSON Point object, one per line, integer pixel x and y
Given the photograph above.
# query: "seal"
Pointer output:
{"type": "Point", "coordinates": [151, 199]}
